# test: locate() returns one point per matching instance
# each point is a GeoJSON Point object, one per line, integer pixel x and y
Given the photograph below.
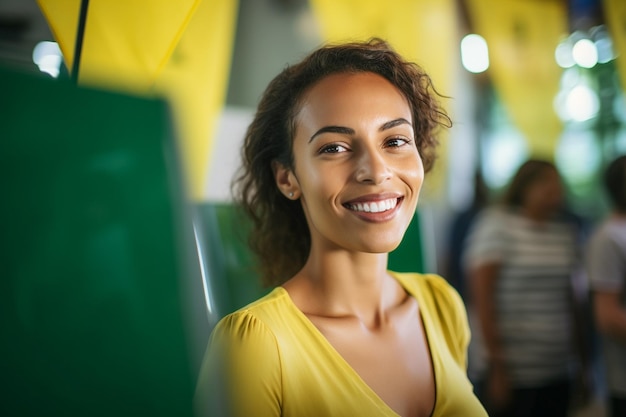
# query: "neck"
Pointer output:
{"type": "Point", "coordinates": [342, 283]}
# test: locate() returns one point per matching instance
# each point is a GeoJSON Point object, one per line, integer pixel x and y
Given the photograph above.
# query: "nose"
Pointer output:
{"type": "Point", "coordinates": [372, 167]}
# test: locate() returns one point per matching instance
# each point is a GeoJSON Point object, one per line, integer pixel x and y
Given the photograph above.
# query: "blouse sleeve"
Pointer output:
{"type": "Point", "coordinates": [451, 312]}
{"type": "Point", "coordinates": [240, 373]}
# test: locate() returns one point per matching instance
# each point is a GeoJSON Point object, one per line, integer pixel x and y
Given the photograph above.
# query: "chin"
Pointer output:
{"type": "Point", "coordinates": [381, 246]}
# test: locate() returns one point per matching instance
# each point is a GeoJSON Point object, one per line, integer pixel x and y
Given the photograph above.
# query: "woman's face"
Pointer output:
{"type": "Point", "coordinates": [357, 172]}
{"type": "Point", "coordinates": [545, 194]}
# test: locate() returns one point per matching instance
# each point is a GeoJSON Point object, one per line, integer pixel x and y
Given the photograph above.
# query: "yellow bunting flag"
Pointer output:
{"type": "Point", "coordinates": [522, 37]}
{"type": "Point", "coordinates": [180, 50]}
{"type": "Point", "coordinates": [423, 31]}
{"type": "Point", "coordinates": [196, 81]}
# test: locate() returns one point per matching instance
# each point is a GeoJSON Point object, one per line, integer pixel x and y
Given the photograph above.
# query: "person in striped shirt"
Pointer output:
{"type": "Point", "coordinates": [523, 256]}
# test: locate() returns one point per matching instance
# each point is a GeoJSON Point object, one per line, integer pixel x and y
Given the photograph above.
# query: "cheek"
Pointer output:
{"type": "Point", "coordinates": [325, 184]}
{"type": "Point", "coordinates": [316, 184]}
{"type": "Point", "coordinates": [414, 171]}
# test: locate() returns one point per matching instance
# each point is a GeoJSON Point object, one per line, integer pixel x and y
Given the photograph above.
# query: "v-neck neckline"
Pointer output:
{"type": "Point", "coordinates": [369, 391]}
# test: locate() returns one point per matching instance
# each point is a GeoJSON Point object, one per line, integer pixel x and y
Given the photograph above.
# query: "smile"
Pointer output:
{"type": "Point", "coordinates": [374, 206]}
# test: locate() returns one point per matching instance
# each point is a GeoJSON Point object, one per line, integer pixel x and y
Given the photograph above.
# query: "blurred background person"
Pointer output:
{"type": "Point", "coordinates": [606, 266]}
{"type": "Point", "coordinates": [523, 256]}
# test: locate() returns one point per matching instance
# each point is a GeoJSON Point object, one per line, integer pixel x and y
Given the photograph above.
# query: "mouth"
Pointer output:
{"type": "Point", "coordinates": [373, 206]}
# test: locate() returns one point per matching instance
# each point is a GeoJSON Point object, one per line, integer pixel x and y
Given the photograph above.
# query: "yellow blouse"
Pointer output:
{"type": "Point", "coordinates": [268, 359]}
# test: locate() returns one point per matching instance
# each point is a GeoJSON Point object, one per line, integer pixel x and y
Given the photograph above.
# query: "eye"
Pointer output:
{"type": "Point", "coordinates": [397, 142]}
{"type": "Point", "coordinates": [332, 148]}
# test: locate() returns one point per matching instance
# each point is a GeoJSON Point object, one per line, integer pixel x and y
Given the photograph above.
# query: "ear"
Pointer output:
{"type": "Point", "coordinates": [286, 181]}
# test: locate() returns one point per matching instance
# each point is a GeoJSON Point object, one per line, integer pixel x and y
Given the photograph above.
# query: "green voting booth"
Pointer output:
{"type": "Point", "coordinates": [101, 301]}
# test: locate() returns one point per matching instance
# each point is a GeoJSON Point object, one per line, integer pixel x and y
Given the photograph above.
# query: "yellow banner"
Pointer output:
{"type": "Point", "coordinates": [126, 42]}
{"type": "Point", "coordinates": [522, 37]}
{"type": "Point", "coordinates": [423, 31]}
{"type": "Point", "coordinates": [178, 49]}
{"type": "Point", "coordinates": [196, 81]}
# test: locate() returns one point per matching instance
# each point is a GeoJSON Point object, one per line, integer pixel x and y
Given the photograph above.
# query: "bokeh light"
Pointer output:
{"type": "Point", "coordinates": [585, 53]}
{"type": "Point", "coordinates": [47, 55]}
{"type": "Point", "coordinates": [474, 53]}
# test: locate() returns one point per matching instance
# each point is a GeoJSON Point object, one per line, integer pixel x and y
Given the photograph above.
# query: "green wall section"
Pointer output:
{"type": "Point", "coordinates": [92, 321]}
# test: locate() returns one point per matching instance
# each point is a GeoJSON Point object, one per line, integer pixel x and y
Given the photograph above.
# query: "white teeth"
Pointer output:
{"type": "Point", "coordinates": [375, 207]}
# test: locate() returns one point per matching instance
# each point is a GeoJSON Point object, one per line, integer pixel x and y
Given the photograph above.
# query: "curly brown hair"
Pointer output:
{"type": "Point", "coordinates": [280, 234]}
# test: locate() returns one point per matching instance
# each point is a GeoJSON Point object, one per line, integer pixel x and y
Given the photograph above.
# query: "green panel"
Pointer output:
{"type": "Point", "coordinates": [91, 310]}
{"type": "Point", "coordinates": [232, 276]}
{"type": "Point", "coordinates": [409, 256]}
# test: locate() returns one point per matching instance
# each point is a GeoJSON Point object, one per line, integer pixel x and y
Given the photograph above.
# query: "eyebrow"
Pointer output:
{"type": "Point", "coordinates": [349, 131]}
{"type": "Point", "coordinates": [394, 123]}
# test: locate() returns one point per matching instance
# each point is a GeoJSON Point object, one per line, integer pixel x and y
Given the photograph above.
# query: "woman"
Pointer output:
{"type": "Point", "coordinates": [333, 164]}
{"type": "Point", "coordinates": [523, 257]}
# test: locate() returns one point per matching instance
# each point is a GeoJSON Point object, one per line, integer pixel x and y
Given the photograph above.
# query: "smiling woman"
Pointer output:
{"type": "Point", "coordinates": [333, 164]}
{"type": "Point", "coordinates": [354, 148]}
